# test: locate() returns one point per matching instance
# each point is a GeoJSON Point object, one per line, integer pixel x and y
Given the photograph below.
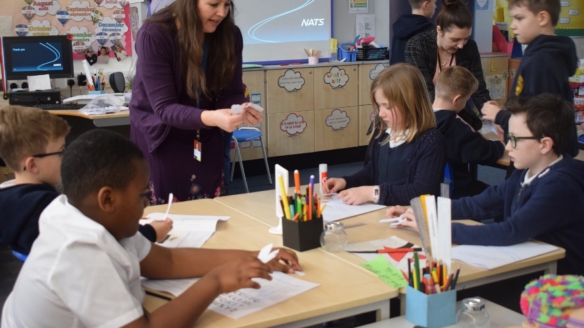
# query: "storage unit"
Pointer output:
{"type": "Point", "coordinates": [336, 128]}
{"type": "Point", "coordinates": [290, 90]}
{"type": "Point", "coordinates": [366, 116]}
{"type": "Point", "coordinates": [368, 73]}
{"type": "Point", "coordinates": [336, 86]}
{"type": "Point", "coordinates": [290, 133]}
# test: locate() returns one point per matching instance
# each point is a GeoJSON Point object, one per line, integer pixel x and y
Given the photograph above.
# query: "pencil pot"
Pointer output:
{"type": "Point", "coordinates": [346, 54]}
{"type": "Point", "coordinates": [432, 311]}
{"type": "Point", "coordinates": [301, 236]}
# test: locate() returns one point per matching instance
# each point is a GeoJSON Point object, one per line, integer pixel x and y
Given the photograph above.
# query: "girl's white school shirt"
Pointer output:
{"type": "Point", "coordinates": [77, 275]}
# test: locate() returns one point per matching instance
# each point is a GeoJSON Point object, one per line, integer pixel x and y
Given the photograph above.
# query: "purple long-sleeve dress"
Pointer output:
{"type": "Point", "coordinates": [164, 120]}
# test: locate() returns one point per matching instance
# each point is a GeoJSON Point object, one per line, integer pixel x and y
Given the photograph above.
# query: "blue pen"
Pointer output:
{"type": "Point", "coordinates": [312, 184]}
{"type": "Point", "coordinates": [292, 212]}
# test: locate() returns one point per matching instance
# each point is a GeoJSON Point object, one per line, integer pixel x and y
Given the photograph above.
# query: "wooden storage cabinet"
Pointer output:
{"type": "Point", "coordinates": [336, 86]}
{"type": "Point", "coordinates": [336, 128]}
{"type": "Point", "coordinates": [366, 116]}
{"type": "Point", "coordinates": [290, 133]}
{"type": "Point", "coordinates": [290, 90]}
{"type": "Point", "coordinates": [367, 73]}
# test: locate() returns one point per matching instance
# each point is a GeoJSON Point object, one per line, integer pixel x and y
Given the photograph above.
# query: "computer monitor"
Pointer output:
{"type": "Point", "coordinates": [36, 55]}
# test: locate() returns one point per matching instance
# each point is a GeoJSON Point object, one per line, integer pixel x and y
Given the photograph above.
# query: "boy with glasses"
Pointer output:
{"type": "Point", "coordinates": [543, 199]}
{"type": "Point", "coordinates": [32, 143]}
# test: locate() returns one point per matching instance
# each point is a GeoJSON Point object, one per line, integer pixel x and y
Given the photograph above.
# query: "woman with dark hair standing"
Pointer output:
{"type": "Point", "coordinates": [187, 77]}
{"type": "Point", "coordinates": [450, 45]}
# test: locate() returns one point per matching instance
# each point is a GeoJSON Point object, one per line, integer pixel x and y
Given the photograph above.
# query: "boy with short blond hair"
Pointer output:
{"type": "Point", "coordinates": [547, 63]}
{"type": "Point", "coordinates": [465, 147]}
{"type": "Point", "coordinates": [32, 142]}
{"type": "Point", "coordinates": [543, 199]}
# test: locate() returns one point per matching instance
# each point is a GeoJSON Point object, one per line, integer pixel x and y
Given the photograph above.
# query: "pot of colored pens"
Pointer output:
{"type": "Point", "coordinates": [430, 294]}
{"type": "Point", "coordinates": [302, 223]}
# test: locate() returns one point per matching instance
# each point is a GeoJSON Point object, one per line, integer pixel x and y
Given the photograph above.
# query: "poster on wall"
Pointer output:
{"type": "Point", "coordinates": [99, 29]}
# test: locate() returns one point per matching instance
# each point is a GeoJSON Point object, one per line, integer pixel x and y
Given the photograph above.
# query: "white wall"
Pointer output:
{"type": "Point", "coordinates": [345, 23]}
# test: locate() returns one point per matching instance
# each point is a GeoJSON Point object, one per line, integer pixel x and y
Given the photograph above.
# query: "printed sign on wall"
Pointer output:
{"type": "Point", "coordinates": [375, 71]}
{"type": "Point", "coordinates": [336, 78]}
{"type": "Point", "coordinates": [291, 81]}
{"type": "Point", "coordinates": [337, 120]}
{"type": "Point", "coordinates": [293, 124]}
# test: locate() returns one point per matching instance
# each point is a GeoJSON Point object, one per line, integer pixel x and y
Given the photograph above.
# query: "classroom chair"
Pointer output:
{"type": "Point", "coordinates": [243, 134]}
{"type": "Point", "coordinates": [19, 256]}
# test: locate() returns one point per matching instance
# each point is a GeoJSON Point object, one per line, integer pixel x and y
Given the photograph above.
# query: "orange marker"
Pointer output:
{"type": "Point", "coordinates": [296, 181]}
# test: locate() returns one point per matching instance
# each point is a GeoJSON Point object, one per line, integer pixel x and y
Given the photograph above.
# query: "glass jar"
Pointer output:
{"type": "Point", "coordinates": [473, 314]}
{"type": "Point", "coordinates": [333, 238]}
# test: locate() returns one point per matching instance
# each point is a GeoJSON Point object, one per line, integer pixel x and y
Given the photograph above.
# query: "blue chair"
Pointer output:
{"type": "Point", "coordinates": [449, 177]}
{"type": "Point", "coordinates": [19, 256]}
{"type": "Point", "coordinates": [244, 134]}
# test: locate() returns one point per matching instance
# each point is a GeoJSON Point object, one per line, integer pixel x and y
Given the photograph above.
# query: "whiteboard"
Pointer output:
{"type": "Point", "coordinates": [280, 30]}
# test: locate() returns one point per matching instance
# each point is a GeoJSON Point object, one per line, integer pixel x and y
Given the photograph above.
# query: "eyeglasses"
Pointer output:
{"type": "Point", "coordinates": [513, 139]}
{"type": "Point", "coordinates": [60, 153]}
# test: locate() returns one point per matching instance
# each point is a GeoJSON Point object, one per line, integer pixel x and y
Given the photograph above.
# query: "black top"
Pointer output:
{"type": "Point", "coordinates": [559, 55]}
{"type": "Point", "coordinates": [422, 52]}
{"type": "Point", "coordinates": [392, 163]}
{"type": "Point", "coordinates": [465, 146]}
{"type": "Point", "coordinates": [405, 28]}
{"type": "Point", "coordinates": [20, 209]}
{"type": "Point", "coordinates": [424, 171]}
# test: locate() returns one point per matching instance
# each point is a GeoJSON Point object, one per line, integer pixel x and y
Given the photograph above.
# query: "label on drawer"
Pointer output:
{"type": "Point", "coordinates": [374, 72]}
{"type": "Point", "coordinates": [293, 124]}
{"type": "Point", "coordinates": [337, 120]}
{"type": "Point", "coordinates": [291, 81]}
{"type": "Point", "coordinates": [336, 78]}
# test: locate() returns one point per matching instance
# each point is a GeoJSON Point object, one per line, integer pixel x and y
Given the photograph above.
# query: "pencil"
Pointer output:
{"type": "Point", "coordinates": [410, 271]}
{"type": "Point", "coordinates": [417, 271]}
{"type": "Point", "coordinates": [284, 197]}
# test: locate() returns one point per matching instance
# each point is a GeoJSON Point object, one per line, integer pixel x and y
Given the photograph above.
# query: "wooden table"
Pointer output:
{"type": "Point", "coordinates": [106, 120]}
{"type": "Point", "coordinates": [260, 205]}
{"type": "Point", "coordinates": [344, 290]}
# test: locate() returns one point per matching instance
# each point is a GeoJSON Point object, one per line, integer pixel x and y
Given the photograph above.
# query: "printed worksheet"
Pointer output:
{"type": "Point", "coordinates": [336, 209]}
{"type": "Point", "coordinates": [187, 230]}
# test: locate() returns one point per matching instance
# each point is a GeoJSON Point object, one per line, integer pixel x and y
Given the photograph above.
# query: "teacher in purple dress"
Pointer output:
{"type": "Point", "coordinates": [188, 76]}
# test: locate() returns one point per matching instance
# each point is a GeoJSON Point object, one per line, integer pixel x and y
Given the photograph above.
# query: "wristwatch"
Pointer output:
{"type": "Point", "coordinates": [376, 194]}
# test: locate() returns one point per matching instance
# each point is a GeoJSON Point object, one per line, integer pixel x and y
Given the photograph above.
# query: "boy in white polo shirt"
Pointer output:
{"type": "Point", "coordinates": [84, 268]}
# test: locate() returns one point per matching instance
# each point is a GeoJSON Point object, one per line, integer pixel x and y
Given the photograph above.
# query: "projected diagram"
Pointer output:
{"type": "Point", "coordinates": [42, 56]}
{"type": "Point", "coordinates": [288, 21]}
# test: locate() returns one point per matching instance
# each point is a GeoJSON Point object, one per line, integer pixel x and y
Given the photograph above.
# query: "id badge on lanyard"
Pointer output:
{"type": "Point", "coordinates": [198, 146]}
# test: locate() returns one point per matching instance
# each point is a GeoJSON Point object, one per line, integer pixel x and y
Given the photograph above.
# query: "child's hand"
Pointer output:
{"type": "Point", "coordinates": [410, 219]}
{"type": "Point", "coordinates": [490, 110]}
{"type": "Point", "coordinates": [357, 196]}
{"type": "Point", "coordinates": [238, 273]}
{"type": "Point", "coordinates": [333, 185]}
{"type": "Point", "coordinates": [290, 261]}
{"type": "Point", "coordinates": [395, 211]}
{"type": "Point", "coordinates": [162, 228]}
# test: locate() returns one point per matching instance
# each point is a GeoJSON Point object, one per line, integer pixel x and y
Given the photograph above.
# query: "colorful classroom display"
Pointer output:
{"type": "Point", "coordinates": [90, 23]}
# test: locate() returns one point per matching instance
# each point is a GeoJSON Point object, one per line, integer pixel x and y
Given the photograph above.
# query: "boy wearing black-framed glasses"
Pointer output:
{"type": "Point", "coordinates": [32, 142]}
{"type": "Point", "coordinates": [543, 199]}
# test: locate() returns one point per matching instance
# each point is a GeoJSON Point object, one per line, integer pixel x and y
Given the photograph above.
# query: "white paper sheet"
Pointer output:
{"type": "Point", "coordinates": [39, 82]}
{"type": "Point", "coordinates": [246, 301]}
{"type": "Point", "coordinates": [490, 257]}
{"type": "Point", "coordinates": [6, 26]}
{"type": "Point", "coordinates": [336, 209]}
{"type": "Point", "coordinates": [172, 286]}
{"type": "Point", "coordinates": [400, 260]}
{"type": "Point", "coordinates": [187, 230]}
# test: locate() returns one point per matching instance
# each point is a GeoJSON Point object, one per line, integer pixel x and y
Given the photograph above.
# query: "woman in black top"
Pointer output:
{"type": "Point", "coordinates": [449, 45]}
